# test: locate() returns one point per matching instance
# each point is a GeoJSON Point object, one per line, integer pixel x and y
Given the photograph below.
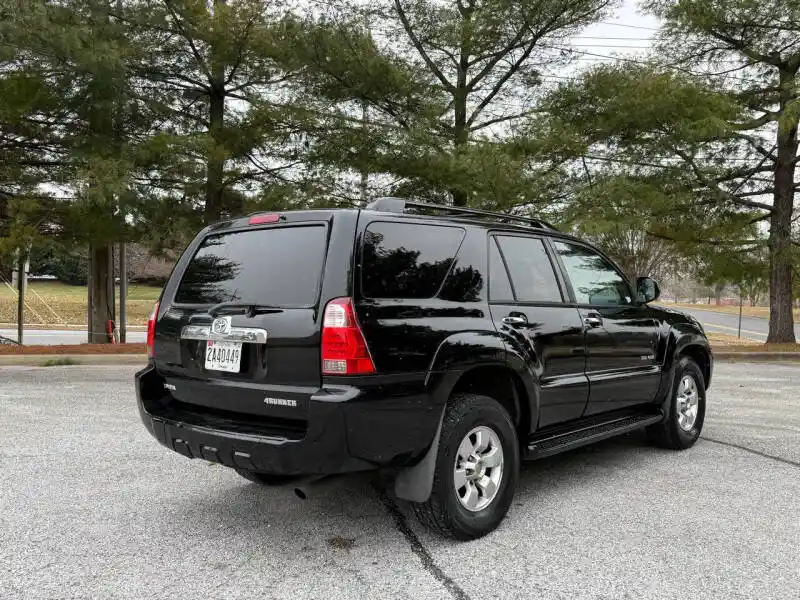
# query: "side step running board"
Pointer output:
{"type": "Point", "coordinates": [563, 441]}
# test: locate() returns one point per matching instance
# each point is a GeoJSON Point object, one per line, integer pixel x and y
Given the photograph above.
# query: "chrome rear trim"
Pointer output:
{"type": "Point", "coordinates": [247, 335]}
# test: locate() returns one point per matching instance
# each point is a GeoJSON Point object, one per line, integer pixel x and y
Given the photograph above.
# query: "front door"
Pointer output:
{"type": "Point", "coordinates": [621, 336]}
{"type": "Point", "coordinates": [528, 307]}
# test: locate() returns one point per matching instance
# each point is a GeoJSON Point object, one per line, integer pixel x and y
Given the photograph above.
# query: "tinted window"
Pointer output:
{"type": "Point", "coordinates": [499, 285]}
{"type": "Point", "coordinates": [594, 279]}
{"type": "Point", "coordinates": [404, 260]}
{"type": "Point", "coordinates": [281, 267]}
{"type": "Point", "coordinates": [531, 271]}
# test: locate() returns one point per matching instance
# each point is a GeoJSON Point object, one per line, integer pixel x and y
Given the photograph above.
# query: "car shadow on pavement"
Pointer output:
{"type": "Point", "coordinates": [348, 502]}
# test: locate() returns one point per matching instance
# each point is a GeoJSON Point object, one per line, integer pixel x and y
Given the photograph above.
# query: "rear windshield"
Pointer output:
{"type": "Point", "coordinates": [279, 267]}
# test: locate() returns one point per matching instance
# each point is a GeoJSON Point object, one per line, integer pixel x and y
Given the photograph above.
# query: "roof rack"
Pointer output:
{"type": "Point", "coordinates": [400, 205]}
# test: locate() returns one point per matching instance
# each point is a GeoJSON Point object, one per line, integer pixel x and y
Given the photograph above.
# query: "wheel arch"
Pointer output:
{"type": "Point", "coordinates": [702, 356]}
{"type": "Point", "coordinates": [503, 384]}
{"type": "Point", "coordinates": [493, 372]}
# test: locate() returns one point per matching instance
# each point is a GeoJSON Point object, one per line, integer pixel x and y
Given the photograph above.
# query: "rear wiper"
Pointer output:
{"type": "Point", "coordinates": [251, 310]}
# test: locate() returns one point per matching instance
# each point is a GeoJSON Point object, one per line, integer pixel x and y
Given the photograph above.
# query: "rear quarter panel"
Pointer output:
{"type": "Point", "coordinates": [421, 347]}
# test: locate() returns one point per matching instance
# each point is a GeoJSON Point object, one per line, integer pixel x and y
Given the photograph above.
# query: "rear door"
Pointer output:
{"type": "Point", "coordinates": [528, 305]}
{"type": "Point", "coordinates": [621, 335]}
{"type": "Point", "coordinates": [240, 327]}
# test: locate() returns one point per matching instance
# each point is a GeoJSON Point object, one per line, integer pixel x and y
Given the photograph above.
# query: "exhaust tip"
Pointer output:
{"type": "Point", "coordinates": [300, 494]}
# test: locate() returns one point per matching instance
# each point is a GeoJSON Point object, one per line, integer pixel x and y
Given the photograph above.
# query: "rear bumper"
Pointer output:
{"type": "Point", "coordinates": [349, 429]}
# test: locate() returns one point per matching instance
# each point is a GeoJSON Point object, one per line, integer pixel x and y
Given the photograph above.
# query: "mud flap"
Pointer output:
{"type": "Point", "coordinates": [415, 483]}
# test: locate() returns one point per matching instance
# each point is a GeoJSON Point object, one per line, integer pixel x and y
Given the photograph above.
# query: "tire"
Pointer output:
{"type": "Point", "coordinates": [472, 419]}
{"type": "Point", "coordinates": [674, 431]}
{"type": "Point", "coordinates": [265, 478]}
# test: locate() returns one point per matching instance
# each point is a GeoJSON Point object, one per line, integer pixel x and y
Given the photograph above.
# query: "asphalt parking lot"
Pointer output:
{"type": "Point", "coordinates": [92, 507]}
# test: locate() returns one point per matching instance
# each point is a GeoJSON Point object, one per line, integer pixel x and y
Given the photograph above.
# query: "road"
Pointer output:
{"type": "Point", "coordinates": [92, 507]}
{"type": "Point", "coordinates": [753, 328]}
{"type": "Point", "coordinates": [52, 337]}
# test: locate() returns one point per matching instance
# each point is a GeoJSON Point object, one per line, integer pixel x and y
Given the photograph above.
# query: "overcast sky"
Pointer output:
{"type": "Point", "coordinates": [627, 33]}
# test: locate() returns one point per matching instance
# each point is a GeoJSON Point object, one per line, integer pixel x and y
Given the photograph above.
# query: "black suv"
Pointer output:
{"type": "Point", "coordinates": [438, 344]}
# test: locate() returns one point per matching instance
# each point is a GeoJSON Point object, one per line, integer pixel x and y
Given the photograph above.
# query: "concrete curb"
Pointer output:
{"type": "Point", "coordinates": [38, 360]}
{"type": "Point", "coordinates": [757, 356]}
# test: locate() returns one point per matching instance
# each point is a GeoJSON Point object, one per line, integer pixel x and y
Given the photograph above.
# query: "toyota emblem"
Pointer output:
{"type": "Point", "coordinates": [221, 326]}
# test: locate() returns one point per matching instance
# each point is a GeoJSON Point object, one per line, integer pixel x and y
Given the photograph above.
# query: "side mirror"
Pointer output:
{"type": "Point", "coordinates": [647, 289]}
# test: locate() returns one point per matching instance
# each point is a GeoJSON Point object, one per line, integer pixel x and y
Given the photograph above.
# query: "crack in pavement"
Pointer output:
{"type": "Point", "coordinates": [752, 451]}
{"type": "Point", "coordinates": [417, 548]}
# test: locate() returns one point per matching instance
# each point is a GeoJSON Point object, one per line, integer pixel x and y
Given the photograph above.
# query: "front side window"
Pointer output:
{"type": "Point", "coordinates": [594, 279]}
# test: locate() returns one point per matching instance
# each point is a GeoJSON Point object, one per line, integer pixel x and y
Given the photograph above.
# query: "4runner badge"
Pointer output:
{"type": "Point", "coordinates": [280, 402]}
{"type": "Point", "coordinates": [221, 326]}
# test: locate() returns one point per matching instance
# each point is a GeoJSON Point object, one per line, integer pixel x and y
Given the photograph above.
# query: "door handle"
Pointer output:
{"type": "Point", "coordinates": [593, 321]}
{"type": "Point", "coordinates": [515, 320]}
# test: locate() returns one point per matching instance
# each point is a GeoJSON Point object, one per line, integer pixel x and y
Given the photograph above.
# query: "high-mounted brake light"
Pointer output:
{"type": "Point", "coordinates": [151, 332]}
{"type": "Point", "coordinates": [344, 349]}
{"type": "Point", "coordinates": [263, 219]}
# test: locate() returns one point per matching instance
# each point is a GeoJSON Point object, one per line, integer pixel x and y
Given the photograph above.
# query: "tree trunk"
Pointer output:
{"type": "Point", "coordinates": [100, 311]}
{"type": "Point", "coordinates": [460, 127]}
{"type": "Point", "coordinates": [781, 320]}
{"type": "Point", "coordinates": [215, 167]}
{"type": "Point", "coordinates": [718, 289]}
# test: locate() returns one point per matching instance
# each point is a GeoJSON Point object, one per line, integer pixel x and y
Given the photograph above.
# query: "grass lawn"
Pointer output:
{"type": "Point", "coordinates": [55, 303]}
{"type": "Point", "coordinates": [730, 343]}
{"type": "Point", "coordinates": [747, 311]}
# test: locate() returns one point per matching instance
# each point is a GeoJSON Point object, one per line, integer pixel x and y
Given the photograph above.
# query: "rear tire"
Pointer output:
{"type": "Point", "coordinates": [687, 409]}
{"type": "Point", "coordinates": [265, 478]}
{"type": "Point", "coordinates": [478, 448]}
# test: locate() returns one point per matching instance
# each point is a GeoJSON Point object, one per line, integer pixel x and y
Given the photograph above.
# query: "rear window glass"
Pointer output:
{"type": "Point", "coordinates": [499, 284]}
{"type": "Point", "coordinates": [280, 267]}
{"type": "Point", "coordinates": [405, 260]}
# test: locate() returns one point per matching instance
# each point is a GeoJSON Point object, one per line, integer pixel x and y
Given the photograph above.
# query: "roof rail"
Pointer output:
{"type": "Point", "coordinates": [400, 205]}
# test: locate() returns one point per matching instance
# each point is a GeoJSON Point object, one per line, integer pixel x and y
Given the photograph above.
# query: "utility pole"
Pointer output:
{"type": "Point", "coordinates": [123, 293]}
{"type": "Point", "coordinates": [111, 287]}
{"type": "Point", "coordinates": [89, 299]}
{"type": "Point", "coordinates": [21, 255]}
{"type": "Point", "coordinates": [741, 302]}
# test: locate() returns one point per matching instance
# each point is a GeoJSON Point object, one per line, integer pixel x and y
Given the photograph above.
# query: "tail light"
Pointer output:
{"type": "Point", "coordinates": [151, 332]}
{"type": "Point", "coordinates": [344, 349]}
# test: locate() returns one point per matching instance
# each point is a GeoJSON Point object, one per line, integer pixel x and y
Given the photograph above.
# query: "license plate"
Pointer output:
{"type": "Point", "coordinates": [223, 356]}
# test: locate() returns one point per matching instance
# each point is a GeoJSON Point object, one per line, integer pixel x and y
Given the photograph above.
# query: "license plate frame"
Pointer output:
{"type": "Point", "coordinates": [223, 356]}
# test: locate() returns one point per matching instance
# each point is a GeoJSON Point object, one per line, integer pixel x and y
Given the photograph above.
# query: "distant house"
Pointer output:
{"type": "Point", "coordinates": [144, 267]}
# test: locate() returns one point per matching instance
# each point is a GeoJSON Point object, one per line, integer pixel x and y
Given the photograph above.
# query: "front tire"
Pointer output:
{"type": "Point", "coordinates": [477, 467]}
{"type": "Point", "coordinates": [687, 410]}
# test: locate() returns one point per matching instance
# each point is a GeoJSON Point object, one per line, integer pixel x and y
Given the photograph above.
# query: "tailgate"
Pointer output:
{"type": "Point", "coordinates": [242, 332]}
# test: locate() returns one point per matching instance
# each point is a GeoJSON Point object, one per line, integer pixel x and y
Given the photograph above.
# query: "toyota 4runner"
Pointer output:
{"type": "Point", "coordinates": [439, 344]}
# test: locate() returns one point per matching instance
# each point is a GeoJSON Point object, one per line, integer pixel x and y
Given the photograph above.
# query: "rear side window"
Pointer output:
{"type": "Point", "coordinates": [280, 267]}
{"type": "Point", "coordinates": [406, 260]}
{"type": "Point", "coordinates": [532, 273]}
{"type": "Point", "coordinates": [499, 284]}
